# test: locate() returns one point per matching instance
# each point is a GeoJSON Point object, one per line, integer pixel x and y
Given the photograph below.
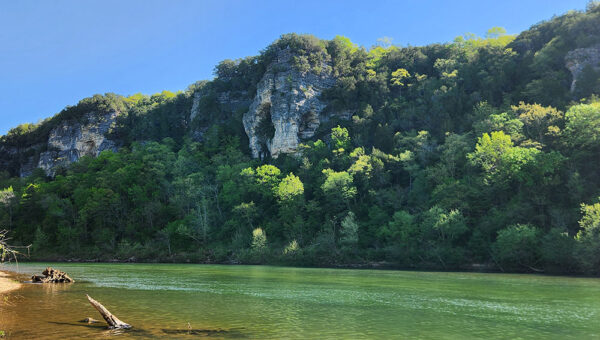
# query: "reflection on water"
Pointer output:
{"type": "Point", "coordinates": [256, 302]}
{"type": "Point", "coordinates": [53, 289]}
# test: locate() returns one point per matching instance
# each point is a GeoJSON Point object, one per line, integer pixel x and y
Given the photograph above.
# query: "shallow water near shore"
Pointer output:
{"type": "Point", "coordinates": [261, 302]}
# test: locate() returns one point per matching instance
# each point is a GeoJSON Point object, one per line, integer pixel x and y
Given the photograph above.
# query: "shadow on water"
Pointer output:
{"type": "Point", "coordinates": [90, 326]}
{"type": "Point", "coordinates": [232, 334]}
{"type": "Point", "coordinates": [136, 332]}
{"type": "Point", "coordinates": [106, 332]}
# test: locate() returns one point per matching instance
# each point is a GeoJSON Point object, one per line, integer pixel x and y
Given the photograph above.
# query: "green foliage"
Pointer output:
{"type": "Point", "coordinates": [290, 188]}
{"type": "Point", "coordinates": [588, 82]}
{"type": "Point", "coordinates": [345, 43]}
{"type": "Point", "coordinates": [259, 239]}
{"type": "Point", "coordinates": [504, 122]}
{"type": "Point", "coordinates": [398, 77]}
{"type": "Point", "coordinates": [440, 232]}
{"type": "Point", "coordinates": [340, 139]}
{"type": "Point", "coordinates": [500, 160]}
{"type": "Point", "coordinates": [308, 51]}
{"type": "Point", "coordinates": [291, 248]}
{"type": "Point", "coordinates": [557, 251]}
{"type": "Point", "coordinates": [338, 185]}
{"type": "Point", "coordinates": [402, 229]}
{"type": "Point", "coordinates": [517, 247]}
{"type": "Point", "coordinates": [8, 200]}
{"type": "Point", "coordinates": [494, 37]}
{"type": "Point", "coordinates": [349, 230]}
{"type": "Point", "coordinates": [447, 225]}
{"type": "Point", "coordinates": [588, 238]}
{"type": "Point", "coordinates": [540, 123]}
{"type": "Point", "coordinates": [582, 127]}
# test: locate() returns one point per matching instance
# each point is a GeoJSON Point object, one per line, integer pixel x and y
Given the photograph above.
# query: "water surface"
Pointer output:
{"type": "Point", "coordinates": [261, 302]}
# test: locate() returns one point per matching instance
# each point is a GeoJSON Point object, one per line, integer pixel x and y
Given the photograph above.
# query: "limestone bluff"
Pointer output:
{"type": "Point", "coordinates": [65, 144]}
{"type": "Point", "coordinates": [277, 108]}
{"type": "Point", "coordinates": [288, 101]}
{"type": "Point", "coordinates": [285, 110]}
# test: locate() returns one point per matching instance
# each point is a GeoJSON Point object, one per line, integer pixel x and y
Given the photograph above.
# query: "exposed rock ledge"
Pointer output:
{"type": "Point", "coordinates": [286, 107]}
{"type": "Point", "coordinates": [70, 141]}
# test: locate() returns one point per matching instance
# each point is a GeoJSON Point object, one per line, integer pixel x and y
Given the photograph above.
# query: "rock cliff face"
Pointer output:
{"type": "Point", "coordinates": [578, 59]}
{"type": "Point", "coordinates": [23, 159]}
{"type": "Point", "coordinates": [286, 108]}
{"type": "Point", "coordinates": [65, 144]}
{"type": "Point", "coordinates": [72, 140]}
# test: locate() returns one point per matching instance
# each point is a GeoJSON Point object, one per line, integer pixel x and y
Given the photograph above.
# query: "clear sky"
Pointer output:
{"type": "Point", "coordinates": [55, 52]}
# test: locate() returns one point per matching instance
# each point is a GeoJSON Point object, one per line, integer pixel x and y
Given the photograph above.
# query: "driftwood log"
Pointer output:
{"type": "Point", "coordinates": [52, 275]}
{"type": "Point", "coordinates": [112, 321]}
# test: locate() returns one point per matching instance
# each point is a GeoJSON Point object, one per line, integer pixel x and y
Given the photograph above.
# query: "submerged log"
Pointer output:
{"type": "Point", "coordinates": [89, 320]}
{"type": "Point", "coordinates": [52, 275]}
{"type": "Point", "coordinates": [112, 321]}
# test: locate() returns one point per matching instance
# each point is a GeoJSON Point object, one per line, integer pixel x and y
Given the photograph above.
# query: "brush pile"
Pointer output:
{"type": "Point", "coordinates": [52, 275]}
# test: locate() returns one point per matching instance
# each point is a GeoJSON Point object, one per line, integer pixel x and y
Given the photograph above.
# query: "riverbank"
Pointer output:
{"type": "Point", "coordinates": [7, 283]}
{"type": "Point", "coordinates": [371, 265]}
{"type": "Point", "coordinates": [300, 260]}
{"type": "Point", "coordinates": [281, 263]}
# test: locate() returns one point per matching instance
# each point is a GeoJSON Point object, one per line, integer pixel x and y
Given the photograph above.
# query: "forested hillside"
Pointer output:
{"type": "Point", "coordinates": [479, 153]}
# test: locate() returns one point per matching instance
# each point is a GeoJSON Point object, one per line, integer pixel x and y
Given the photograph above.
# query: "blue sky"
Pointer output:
{"type": "Point", "coordinates": [55, 52]}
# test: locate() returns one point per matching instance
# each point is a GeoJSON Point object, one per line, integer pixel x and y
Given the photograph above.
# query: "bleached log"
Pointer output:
{"type": "Point", "coordinates": [112, 321]}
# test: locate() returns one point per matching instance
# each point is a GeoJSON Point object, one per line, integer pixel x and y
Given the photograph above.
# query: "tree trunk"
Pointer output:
{"type": "Point", "coordinates": [112, 321]}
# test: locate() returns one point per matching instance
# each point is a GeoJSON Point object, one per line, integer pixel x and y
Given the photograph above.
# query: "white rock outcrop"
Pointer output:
{"type": "Point", "coordinates": [286, 108]}
{"type": "Point", "coordinates": [71, 140]}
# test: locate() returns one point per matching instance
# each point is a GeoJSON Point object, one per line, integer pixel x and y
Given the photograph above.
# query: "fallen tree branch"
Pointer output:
{"type": "Point", "coordinates": [112, 321]}
{"type": "Point", "coordinates": [8, 252]}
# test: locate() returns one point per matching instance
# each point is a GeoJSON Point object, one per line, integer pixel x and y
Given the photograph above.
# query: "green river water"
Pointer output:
{"type": "Point", "coordinates": [261, 302]}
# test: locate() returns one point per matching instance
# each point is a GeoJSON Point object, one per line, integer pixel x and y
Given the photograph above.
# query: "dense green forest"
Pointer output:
{"type": "Point", "coordinates": [465, 155]}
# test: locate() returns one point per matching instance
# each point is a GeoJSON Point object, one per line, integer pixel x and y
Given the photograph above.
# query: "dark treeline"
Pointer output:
{"type": "Point", "coordinates": [471, 152]}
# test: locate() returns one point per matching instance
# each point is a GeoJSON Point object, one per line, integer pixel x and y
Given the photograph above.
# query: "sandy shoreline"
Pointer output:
{"type": "Point", "coordinates": [7, 283]}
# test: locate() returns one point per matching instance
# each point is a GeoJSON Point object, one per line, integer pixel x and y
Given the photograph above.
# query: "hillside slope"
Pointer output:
{"type": "Point", "coordinates": [481, 151]}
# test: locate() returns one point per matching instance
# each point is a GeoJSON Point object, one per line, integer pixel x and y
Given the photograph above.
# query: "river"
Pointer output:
{"type": "Point", "coordinates": [262, 302]}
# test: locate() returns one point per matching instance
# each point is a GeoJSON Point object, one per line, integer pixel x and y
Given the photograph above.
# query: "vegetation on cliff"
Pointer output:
{"type": "Point", "coordinates": [475, 151]}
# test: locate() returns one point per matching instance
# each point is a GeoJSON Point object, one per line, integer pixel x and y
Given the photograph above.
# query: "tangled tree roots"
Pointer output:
{"type": "Point", "coordinates": [52, 275]}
